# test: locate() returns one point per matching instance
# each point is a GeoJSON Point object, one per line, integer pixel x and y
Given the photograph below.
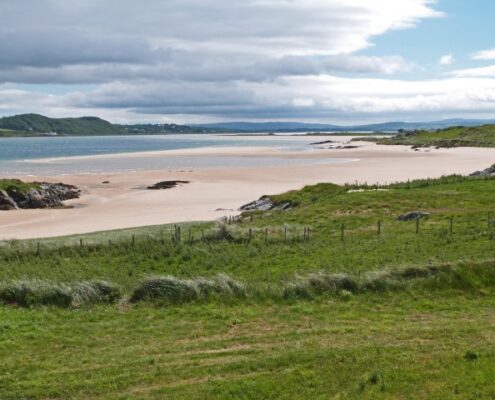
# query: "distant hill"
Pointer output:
{"type": "Point", "coordinates": [458, 136]}
{"type": "Point", "coordinates": [39, 125]}
{"type": "Point", "coordinates": [35, 124]}
{"type": "Point", "coordinates": [305, 127]}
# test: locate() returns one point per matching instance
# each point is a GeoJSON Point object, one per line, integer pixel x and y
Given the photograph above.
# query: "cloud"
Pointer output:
{"type": "Point", "coordinates": [217, 58]}
{"type": "Point", "coordinates": [484, 55]}
{"type": "Point", "coordinates": [447, 59]}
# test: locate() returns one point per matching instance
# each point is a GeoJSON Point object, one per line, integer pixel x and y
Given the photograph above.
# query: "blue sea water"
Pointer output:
{"type": "Point", "coordinates": [25, 156]}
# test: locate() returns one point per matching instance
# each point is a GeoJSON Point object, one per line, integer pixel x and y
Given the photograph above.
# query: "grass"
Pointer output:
{"type": "Point", "coordinates": [459, 136]}
{"type": "Point", "coordinates": [272, 314]}
{"type": "Point", "coordinates": [8, 184]}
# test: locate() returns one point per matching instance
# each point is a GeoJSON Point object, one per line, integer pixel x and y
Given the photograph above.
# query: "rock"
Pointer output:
{"type": "Point", "coordinates": [490, 171]}
{"type": "Point", "coordinates": [324, 142]}
{"type": "Point", "coordinates": [412, 216]}
{"type": "Point", "coordinates": [6, 202]}
{"type": "Point", "coordinates": [48, 195]}
{"type": "Point", "coordinates": [265, 203]}
{"type": "Point", "coordinates": [166, 185]}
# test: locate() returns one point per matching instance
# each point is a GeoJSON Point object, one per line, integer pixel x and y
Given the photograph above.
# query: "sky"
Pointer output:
{"type": "Point", "coordinates": [199, 61]}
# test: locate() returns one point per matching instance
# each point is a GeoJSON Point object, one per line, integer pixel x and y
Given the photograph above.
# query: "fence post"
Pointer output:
{"type": "Point", "coordinates": [190, 237]}
{"type": "Point", "coordinates": [285, 234]}
{"type": "Point", "coordinates": [81, 243]}
{"type": "Point", "coordinates": [451, 224]}
{"type": "Point", "coordinates": [307, 234]}
{"type": "Point", "coordinates": [266, 235]}
{"type": "Point", "coordinates": [133, 241]}
{"type": "Point", "coordinates": [250, 235]}
{"type": "Point", "coordinates": [379, 228]}
{"type": "Point", "coordinates": [38, 250]}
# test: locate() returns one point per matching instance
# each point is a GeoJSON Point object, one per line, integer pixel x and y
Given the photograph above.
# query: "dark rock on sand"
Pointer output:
{"type": "Point", "coordinates": [46, 195]}
{"type": "Point", "coordinates": [166, 185]}
{"type": "Point", "coordinates": [490, 171]}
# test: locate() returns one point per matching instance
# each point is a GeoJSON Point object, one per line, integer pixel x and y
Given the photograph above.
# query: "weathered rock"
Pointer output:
{"type": "Point", "coordinates": [47, 195]}
{"type": "Point", "coordinates": [265, 203]}
{"type": "Point", "coordinates": [166, 185]}
{"type": "Point", "coordinates": [324, 142]}
{"type": "Point", "coordinates": [490, 171]}
{"type": "Point", "coordinates": [6, 202]}
{"type": "Point", "coordinates": [412, 216]}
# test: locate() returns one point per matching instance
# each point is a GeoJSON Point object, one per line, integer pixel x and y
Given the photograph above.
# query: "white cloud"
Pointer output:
{"type": "Point", "coordinates": [484, 55]}
{"type": "Point", "coordinates": [198, 58]}
{"type": "Point", "coordinates": [447, 59]}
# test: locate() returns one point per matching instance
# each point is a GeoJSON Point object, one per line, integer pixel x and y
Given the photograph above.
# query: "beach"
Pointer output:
{"type": "Point", "coordinates": [213, 193]}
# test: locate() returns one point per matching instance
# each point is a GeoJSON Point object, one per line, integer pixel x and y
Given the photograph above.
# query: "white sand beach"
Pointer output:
{"type": "Point", "coordinates": [216, 192]}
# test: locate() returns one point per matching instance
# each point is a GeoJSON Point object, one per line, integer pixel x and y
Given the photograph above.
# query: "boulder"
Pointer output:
{"type": "Point", "coordinates": [412, 216]}
{"type": "Point", "coordinates": [166, 185]}
{"type": "Point", "coordinates": [6, 202]}
{"type": "Point", "coordinates": [490, 171]}
{"type": "Point", "coordinates": [265, 203]}
{"type": "Point", "coordinates": [47, 195]}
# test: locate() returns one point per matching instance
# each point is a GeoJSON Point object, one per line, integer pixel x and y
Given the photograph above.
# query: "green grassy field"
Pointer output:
{"type": "Point", "coordinates": [478, 136]}
{"type": "Point", "coordinates": [401, 312]}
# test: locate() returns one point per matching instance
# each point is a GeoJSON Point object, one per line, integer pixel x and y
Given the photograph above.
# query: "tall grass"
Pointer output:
{"type": "Point", "coordinates": [30, 293]}
{"type": "Point", "coordinates": [169, 289]}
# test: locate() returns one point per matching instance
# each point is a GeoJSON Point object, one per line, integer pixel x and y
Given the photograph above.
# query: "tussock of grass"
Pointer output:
{"type": "Point", "coordinates": [31, 293]}
{"type": "Point", "coordinates": [169, 289]}
{"type": "Point", "coordinates": [324, 283]}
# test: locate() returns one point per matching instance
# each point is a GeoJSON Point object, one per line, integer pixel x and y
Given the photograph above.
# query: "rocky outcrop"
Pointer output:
{"type": "Point", "coordinates": [412, 216]}
{"type": "Point", "coordinates": [41, 195]}
{"type": "Point", "coordinates": [166, 185]}
{"type": "Point", "coordinates": [6, 202]}
{"type": "Point", "coordinates": [490, 171]}
{"type": "Point", "coordinates": [265, 203]}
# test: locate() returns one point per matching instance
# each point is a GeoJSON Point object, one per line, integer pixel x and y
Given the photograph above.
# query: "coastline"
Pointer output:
{"type": "Point", "coordinates": [216, 192]}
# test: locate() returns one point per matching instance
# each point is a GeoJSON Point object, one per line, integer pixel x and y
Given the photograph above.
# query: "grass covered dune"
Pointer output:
{"type": "Point", "coordinates": [334, 298]}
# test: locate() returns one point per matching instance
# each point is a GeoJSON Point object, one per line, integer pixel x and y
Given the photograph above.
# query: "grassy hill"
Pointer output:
{"type": "Point", "coordinates": [478, 136]}
{"type": "Point", "coordinates": [38, 124]}
{"type": "Point", "coordinates": [35, 125]}
{"type": "Point", "coordinates": [334, 298]}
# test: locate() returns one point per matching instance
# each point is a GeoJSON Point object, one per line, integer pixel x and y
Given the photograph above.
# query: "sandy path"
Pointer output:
{"type": "Point", "coordinates": [214, 193]}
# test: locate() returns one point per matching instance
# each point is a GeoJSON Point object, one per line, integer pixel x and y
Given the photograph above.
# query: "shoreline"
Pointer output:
{"type": "Point", "coordinates": [216, 192]}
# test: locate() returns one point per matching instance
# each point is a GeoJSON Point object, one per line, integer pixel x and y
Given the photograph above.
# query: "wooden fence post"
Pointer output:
{"type": "Point", "coordinates": [133, 241]}
{"type": "Point", "coordinates": [379, 228]}
{"type": "Point", "coordinates": [38, 250]}
{"type": "Point", "coordinates": [266, 235]}
{"type": "Point", "coordinates": [451, 225]}
{"type": "Point", "coordinates": [285, 234]}
{"type": "Point", "coordinates": [250, 235]}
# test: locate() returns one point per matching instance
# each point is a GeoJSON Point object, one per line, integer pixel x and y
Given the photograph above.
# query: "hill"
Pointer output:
{"type": "Point", "coordinates": [39, 125]}
{"type": "Point", "coordinates": [478, 136]}
{"type": "Point", "coordinates": [35, 124]}
{"type": "Point", "coordinates": [305, 127]}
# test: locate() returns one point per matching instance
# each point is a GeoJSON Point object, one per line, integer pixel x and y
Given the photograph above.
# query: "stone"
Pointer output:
{"type": "Point", "coordinates": [412, 216]}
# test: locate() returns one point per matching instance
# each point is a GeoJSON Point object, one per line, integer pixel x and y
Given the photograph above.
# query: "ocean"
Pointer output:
{"type": "Point", "coordinates": [28, 156]}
